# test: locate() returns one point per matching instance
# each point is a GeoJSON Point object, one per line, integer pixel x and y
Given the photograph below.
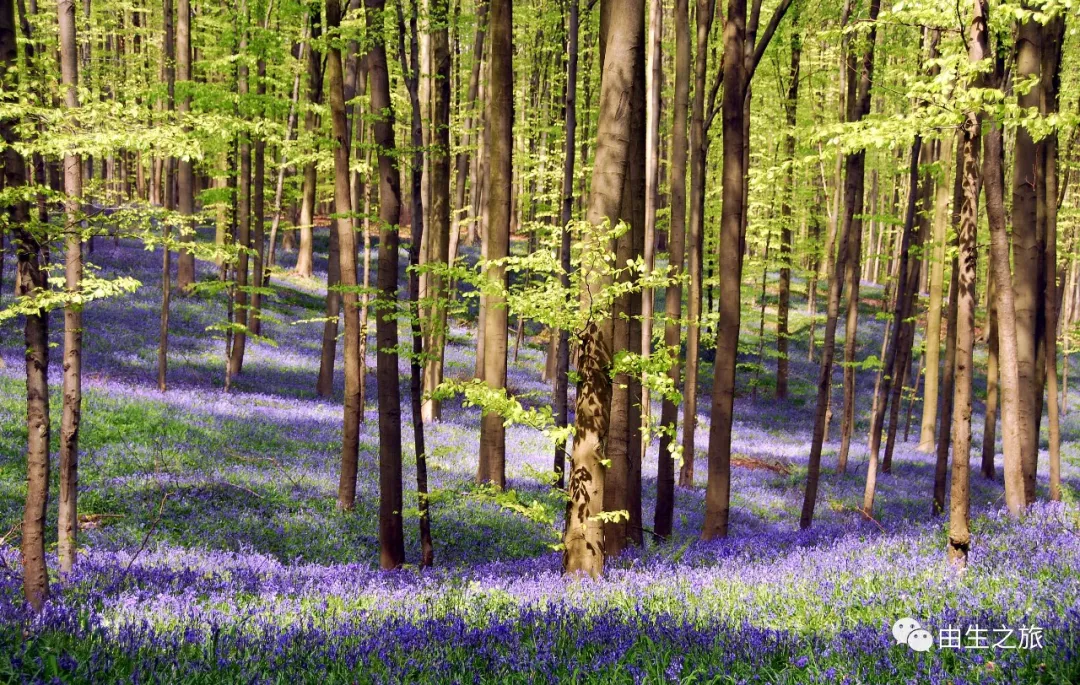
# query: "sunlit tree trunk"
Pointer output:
{"type": "Point", "coordinates": [470, 123]}
{"type": "Point", "coordinates": [932, 363]}
{"type": "Point", "coordinates": [440, 224]}
{"type": "Point", "coordinates": [622, 491]}
{"type": "Point", "coordinates": [304, 255]}
{"type": "Point", "coordinates": [654, 76]}
{"type": "Point", "coordinates": [948, 378]}
{"type": "Point", "coordinates": [1008, 366]}
{"type": "Point", "coordinates": [967, 236]}
{"type": "Point", "coordinates": [500, 121]}
{"type": "Point", "coordinates": [1027, 155]}
{"type": "Point", "coordinates": [584, 536]}
{"type": "Point", "coordinates": [989, 443]}
{"type": "Point", "coordinates": [350, 444]}
{"type": "Point", "coordinates": [68, 516]}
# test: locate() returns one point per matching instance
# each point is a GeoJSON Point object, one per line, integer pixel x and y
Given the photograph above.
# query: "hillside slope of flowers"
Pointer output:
{"type": "Point", "coordinates": [212, 550]}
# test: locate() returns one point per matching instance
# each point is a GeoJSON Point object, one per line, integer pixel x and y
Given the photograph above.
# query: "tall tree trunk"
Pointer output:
{"type": "Point", "coordinates": [967, 236]}
{"type": "Point", "coordinates": [858, 87]}
{"type": "Point", "coordinates": [669, 408]}
{"type": "Point", "coordinates": [279, 187]}
{"type": "Point", "coordinates": [304, 255]}
{"type": "Point", "coordinates": [901, 311]}
{"type": "Point", "coordinates": [622, 490]}
{"type": "Point", "coordinates": [500, 121]}
{"type": "Point", "coordinates": [462, 161]}
{"type": "Point", "coordinates": [169, 74]}
{"type": "Point", "coordinates": [562, 368]}
{"type": "Point", "coordinates": [243, 211]}
{"type": "Point", "coordinates": [258, 207]}
{"type": "Point", "coordinates": [391, 533]}
{"type": "Point", "coordinates": [718, 490]}
{"type": "Point", "coordinates": [438, 235]}
{"type": "Point", "coordinates": [945, 399]}
{"type": "Point", "coordinates": [353, 405]}
{"type": "Point", "coordinates": [742, 53]}
{"type": "Point", "coordinates": [654, 76]}
{"type": "Point", "coordinates": [989, 444]}
{"type": "Point", "coordinates": [185, 180]}
{"type": "Point", "coordinates": [30, 278]}
{"type": "Point", "coordinates": [791, 104]}
{"type": "Point", "coordinates": [1051, 75]}
{"type": "Point", "coordinates": [859, 99]}
{"type": "Point", "coordinates": [1027, 155]}
{"type": "Point", "coordinates": [427, 553]}
{"type": "Point", "coordinates": [932, 363]}
{"type": "Point", "coordinates": [68, 516]}
{"type": "Point", "coordinates": [1008, 365]}
{"type": "Point", "coordinates": [584, 537]}
{"type": "Point", "coordinates": [948, 380]}
{"type": "Point", "coordinates": [705, 11]}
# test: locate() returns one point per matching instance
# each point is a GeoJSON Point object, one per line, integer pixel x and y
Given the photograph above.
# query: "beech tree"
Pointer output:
{"type": "Point", "coordinates": [584, 550]}
{"type": "Point", "coordinates": [68, 517]}
{"type": "Point", "coordinates": [391, 531]}
{"type": "Point", "coordinates": [30, 279]}
{"type": "Point", "coordinates": [500, 122]}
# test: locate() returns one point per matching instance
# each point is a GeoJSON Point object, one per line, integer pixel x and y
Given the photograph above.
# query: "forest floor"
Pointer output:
{"type": "Point", "coordinates": [212, 550]}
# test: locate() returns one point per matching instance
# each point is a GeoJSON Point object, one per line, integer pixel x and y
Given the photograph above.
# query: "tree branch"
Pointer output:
{"type": "Point", "coordinates": [766, 38]}
{"type": "Point", "coordinates": [714, 89]}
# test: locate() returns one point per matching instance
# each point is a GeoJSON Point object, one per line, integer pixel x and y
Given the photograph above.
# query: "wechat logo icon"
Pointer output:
{"type": "Point", "coordinates": [907, 631]}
